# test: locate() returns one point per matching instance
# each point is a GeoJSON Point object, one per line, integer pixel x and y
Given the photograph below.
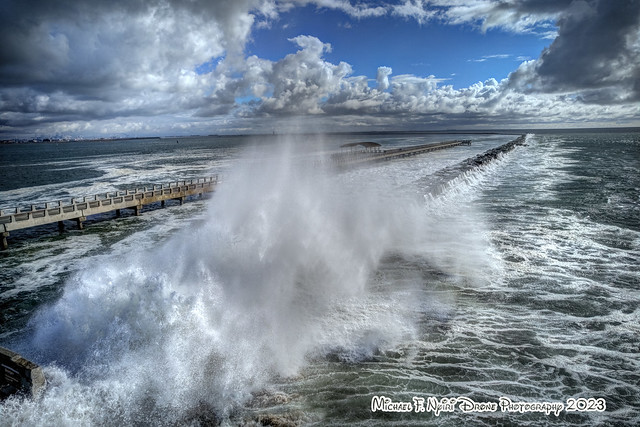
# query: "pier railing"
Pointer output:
{"type": "Point", "coordinates": [79, 208]}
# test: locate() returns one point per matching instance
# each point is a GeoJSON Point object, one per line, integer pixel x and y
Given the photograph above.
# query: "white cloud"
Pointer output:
{"type": "Point", "coordinates": [359, 10]}
{"type": "Point", "coordinates": [131, 67]}
{"type": "Point", "coordinates": [414, 9]}
{"type": "Point", "coordinates": [488, 57]}
{"type": "Point", "coordinates": [382, 77]}
{"type": "Point", "coordinates": [95, 60]}
{"type": "Point", "coordinates": [301, 80]}
{"type": "Point", "coordinates": [523, 16]}
{"type": "Point", "coordinates": [305, 82]}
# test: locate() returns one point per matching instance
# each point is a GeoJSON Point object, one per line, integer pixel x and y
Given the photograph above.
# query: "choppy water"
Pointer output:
{"type": "Point", "coordinates": [297, 295]}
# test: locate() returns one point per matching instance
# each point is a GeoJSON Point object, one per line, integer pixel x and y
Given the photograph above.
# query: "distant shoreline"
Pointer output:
{"type": "Point", "coordinates": [515, 131]}
{"type": "Point", "coordinates": [57, 141]}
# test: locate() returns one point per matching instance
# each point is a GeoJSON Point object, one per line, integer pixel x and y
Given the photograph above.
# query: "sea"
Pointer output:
{"type": "Point", "coordinates": [502, 292]}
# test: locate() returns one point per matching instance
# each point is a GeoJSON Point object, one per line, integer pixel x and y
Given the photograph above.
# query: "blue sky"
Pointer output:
{"type": "Point", "coordinates": [167, 67]}
{"type": "Point", "coordinates": [461, 54]}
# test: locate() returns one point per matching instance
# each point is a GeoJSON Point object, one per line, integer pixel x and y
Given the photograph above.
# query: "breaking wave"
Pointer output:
{"type": "Point", "coordinates": [277, 274]}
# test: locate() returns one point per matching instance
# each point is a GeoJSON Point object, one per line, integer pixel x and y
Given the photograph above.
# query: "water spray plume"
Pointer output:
{"type": "Point", "coordinates": [213, 314]}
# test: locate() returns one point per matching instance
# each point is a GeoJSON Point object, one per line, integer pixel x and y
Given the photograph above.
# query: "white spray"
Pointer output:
{"type": "Point", "coordinates": [201, 322]}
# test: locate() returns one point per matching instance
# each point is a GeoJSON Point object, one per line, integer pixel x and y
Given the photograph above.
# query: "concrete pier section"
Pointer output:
{"type": "Point", "coordinates": [18, 375]}
{"type": "Point", "coordinates": [436, 183]}
{"type": "Point", "coordinates": [79, 209]}
{"type": "Point", "coordinates": [354, 158]}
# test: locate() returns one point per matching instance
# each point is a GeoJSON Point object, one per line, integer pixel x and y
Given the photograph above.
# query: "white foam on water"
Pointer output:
{"type": "Point", "coordinates": [120, 172]}
{"type": "Point", "coordinates": [278, 272]}
{"type": "Point", "coordinates": [36, 272]}
{"type": "Point", "coordinates": [576, 287]}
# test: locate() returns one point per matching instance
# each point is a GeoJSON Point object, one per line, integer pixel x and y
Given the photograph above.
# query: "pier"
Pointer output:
{"type": "Point", "coordinates": [79, 209]}
{"type": "Point", "coordinates": [353, 158]}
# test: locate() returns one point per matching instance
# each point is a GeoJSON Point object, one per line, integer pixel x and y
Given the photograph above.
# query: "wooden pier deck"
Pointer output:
{"type": "Point", "coordinates": [79, 209]}
{"type": "Point", "coordinates": [354, 158]}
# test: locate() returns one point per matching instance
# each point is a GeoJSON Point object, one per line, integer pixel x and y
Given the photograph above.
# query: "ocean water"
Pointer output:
{"type": "Point", "coordinates": [305, 296]}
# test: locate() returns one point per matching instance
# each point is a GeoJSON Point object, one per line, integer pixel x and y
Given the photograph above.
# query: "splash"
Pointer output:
{"type": "Point", "coordinates": [279, 272]}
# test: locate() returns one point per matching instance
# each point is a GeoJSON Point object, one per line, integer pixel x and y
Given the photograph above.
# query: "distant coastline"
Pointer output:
{"type": "Point", "coordinates": [514, 131]}
{"type": "Point", "coordinates": [64, 140]}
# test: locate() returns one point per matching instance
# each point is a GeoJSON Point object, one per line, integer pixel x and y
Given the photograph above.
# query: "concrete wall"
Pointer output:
{"type": "Point", "coordinates": [18, 375]}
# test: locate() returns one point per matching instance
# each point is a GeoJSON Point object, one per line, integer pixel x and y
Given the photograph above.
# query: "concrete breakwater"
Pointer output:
{"type": "Point", "coordinates": [489, 155]}
{"type": "Point", "coordinates": [435, 183]}
{"type": "Point", "coordinates": [18, 375]}
{"type": "Point", "coordinates": [80, 208]}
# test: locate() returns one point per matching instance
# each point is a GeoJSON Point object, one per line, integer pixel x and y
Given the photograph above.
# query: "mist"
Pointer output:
{"type": "Point", "coordinates": [281, 272]}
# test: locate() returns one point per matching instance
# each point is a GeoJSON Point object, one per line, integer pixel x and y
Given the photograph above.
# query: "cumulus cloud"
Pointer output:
{"type": "Point", "coordinates": [382, 77]}
{"type": "Point", "coordinates": [92, 43]}
{"type": "Point", "coordinates": [306, 82]}
{"type": "Point", "coordinates": [69, 59]}
{"type": "Point", "coordinates": [301, 80]}
{"type": "Point", "coordinates": [528, 16]}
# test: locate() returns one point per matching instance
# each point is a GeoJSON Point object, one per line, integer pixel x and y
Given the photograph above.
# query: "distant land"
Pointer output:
{"type": "Point", "coordinates": [364, 133]}
{"type": "Point", "coordinates": [46, 140]}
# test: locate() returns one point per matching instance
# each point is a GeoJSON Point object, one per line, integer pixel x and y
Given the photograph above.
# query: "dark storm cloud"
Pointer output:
{"type": "Point", "coordinates": [76, 67]}
{"type": "Point", "coordinates": [82, 41]}
{"type": "Point", "coordinates": [122, 58]}
{"type": "Point", "coordinates": [41, 39]}
{"type": "Point", "coordinates": [596, 54]}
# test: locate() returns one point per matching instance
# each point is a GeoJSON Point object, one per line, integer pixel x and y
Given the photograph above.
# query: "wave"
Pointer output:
{"type": "Point", "coordinates": [276, 274]}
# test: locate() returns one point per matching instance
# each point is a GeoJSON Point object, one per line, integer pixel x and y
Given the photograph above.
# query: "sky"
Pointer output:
{"type": "Point", "coordinates": [134, 68]}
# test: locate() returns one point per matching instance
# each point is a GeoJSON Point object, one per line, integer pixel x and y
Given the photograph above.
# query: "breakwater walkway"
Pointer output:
{"type": "Point", "coordinates": [79, 209]}
{"type": "Point", "coordinates": [354, 158]}
{"type": "Point", "coordinates": [436, 183]}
